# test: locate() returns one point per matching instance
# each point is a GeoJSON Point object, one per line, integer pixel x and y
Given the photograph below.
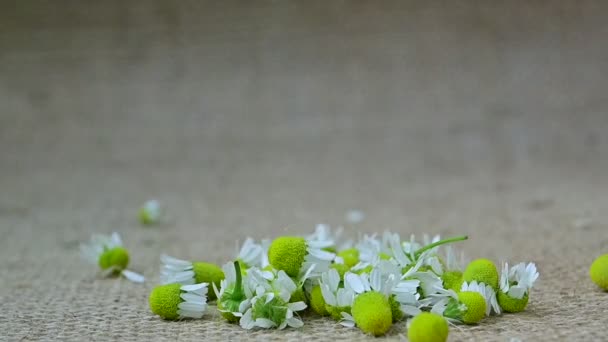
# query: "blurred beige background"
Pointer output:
{"type": "Point", "coordinates": [264, 118]}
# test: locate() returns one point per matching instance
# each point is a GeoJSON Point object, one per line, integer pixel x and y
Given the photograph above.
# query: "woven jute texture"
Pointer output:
{"type": "Point", "coordinates": [264, 118]}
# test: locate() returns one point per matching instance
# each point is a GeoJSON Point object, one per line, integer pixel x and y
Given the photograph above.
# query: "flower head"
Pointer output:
{"type": "Point", "coordinates": [269, 311]}
{"type": "Point", "coordinates": [372, 313]}
{"type": "Point", "coordinates": [295, 255]}
{"type": "Point", "coordinates": [175, 301]}
{"type": "Point", "coordinates": [234, 297]}
{"type": "Point", "coordinates": [463, 307]}
{"type": "Point", "coordinates": [487, 292]}
{"type": "Point", "coordinates": [186, 272]}
{"type": "Point", "coordinates": [518, 280]}
{"type": "Point", "coordinates": [515, 285]}
{"type": "Point", "coordinates": [270, 305]}
{"type": "Point", "coordinates": [150, 213]}
{"type": "Point", "coordinates": [483, 271]}
{"type": "Point", "coordinates": [110, 255]}
{"type": "Point", "coordinates": [599, 272]}
{"type": "Point", "coordinates": [428, 327]}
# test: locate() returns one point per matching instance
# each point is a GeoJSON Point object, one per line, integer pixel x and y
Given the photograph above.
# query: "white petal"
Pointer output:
{"type": "Point", "coordinates": [333, 278]}
{"type": "Point", "coordinates": [328, 295]}
{"type": "Point", "coordinates": [376, 280]}
{"type": "Point", "coordinates": [189, 306]}
{"type": "Point", "coordinates": [397, 249]}
{"type": "Point", "coordinates": [307, 274]}
{"type": "Point", "coordinates": [516, 292]}
{"type": "Point", "coordinates": [297, 306]}
{"type": "Point", "coordinates": [347, 320]}
{"type": "Point", "coordinates": [246, 321]}
{"type": "Point", "coordinates": [169, 260]}
{"type": "Point", "coordinates": [410, 310]}
{"type": "Point", "coordinates": [294, 322]}
{"type": "Point", "coordinates": [190, 314]}
{"type": "Point", "coordinates": [353, 282]}
{"type": "Point", "coordinates": [194, 287]}
{"type": "Point", "coordinates": [264, 323]}
{"type": "Point", "coordinates": [321, 254]}
{"type": "Point", "coordinates": [194, 298]}
{"type": "Point", "coordinates": [345, 297]}
{"type": "Point", "coordinates": [132, 276]}
{"type": "Point", "coordinates": [286, 282]}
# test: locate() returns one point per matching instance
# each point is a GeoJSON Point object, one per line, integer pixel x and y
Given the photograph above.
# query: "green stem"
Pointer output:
{"type": "Point", "coordinates": [238, 286]}
{"type": "Point", "coordinates": [439, 243]}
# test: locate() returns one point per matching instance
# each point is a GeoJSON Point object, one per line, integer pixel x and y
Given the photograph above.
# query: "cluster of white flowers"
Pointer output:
{"type": "Point", "coordinates": [369, 284]}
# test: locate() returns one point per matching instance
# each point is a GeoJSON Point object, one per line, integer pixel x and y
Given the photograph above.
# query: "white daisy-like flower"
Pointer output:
{"type": "Point", "coordinates": [236, 292]}
{"type": "Point", "coordinates": [268, 311]}
{"type": "Point", "coordinates": [387, 283]}
{"type": "Point", "coordinates": [175, 270]}
{"type": "Point", "coordinates": [270, 307]}
{"type": "Point", "coordinates": [194, 302]}
{"type": "Point", "coordinates": [487, 292]}
{"type": "Point", "coordinates": [445, 303]}
{"type": "Point", "coordinates": [518, 280]}
{"type": "Point", "coordinates": [150, 212]}
{"type": "Point", "coordinates": [251, 254]}
{"type": "Point", "coordinates": [436, 294]}
{"type": "Point", "coordinates": [276, 283]}
{"type": "Point", "coordinates": [109, 254]}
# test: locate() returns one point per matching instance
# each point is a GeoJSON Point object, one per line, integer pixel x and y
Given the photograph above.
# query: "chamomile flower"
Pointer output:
{"type": "Point", "coordinates": [372, 313]}
{"type": "Point", "coordinates": [110, 255]}
{"type": "Point", "coordinates": [295, 255]}
{"type": "Point", "coordinates": [234, 296]}
{"type": "Point", "coordinates": [488, 294]}
{"type": "Point", "coordinates": [482, 270]}
{"type": "Point", "coordinates": [272, 312]}
{"type": "Point", "coordinates": [428, 327]}
{"type": "Point", "coordinates": [373, 306]}
{"type": "Point", "coordinates": [337, 299]}
{"type": "Point", "coordinates": [150, 213]}
{"type": "Point", "coordinates": [175, 301]}
{"type": "Point", "coordinates": [463, 307]}
{"type": "Point", "coordinates": [186, 272]}
{"type": "Point", "coordinates": [251, 254]}
{"type": "Point", "coordinates": [599, 271]}
{"type": "Point", "coordinates": [271, 306]}
{"type": "Point", "coordinates": [515, 285]}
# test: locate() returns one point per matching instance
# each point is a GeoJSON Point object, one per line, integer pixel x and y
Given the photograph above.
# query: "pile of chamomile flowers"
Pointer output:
{"type": "Point", "coordinates": [369, 284]}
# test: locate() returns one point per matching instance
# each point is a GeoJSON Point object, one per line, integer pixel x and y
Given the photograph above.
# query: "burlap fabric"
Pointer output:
{"type": "Point", "coordinates": [260, 119]}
